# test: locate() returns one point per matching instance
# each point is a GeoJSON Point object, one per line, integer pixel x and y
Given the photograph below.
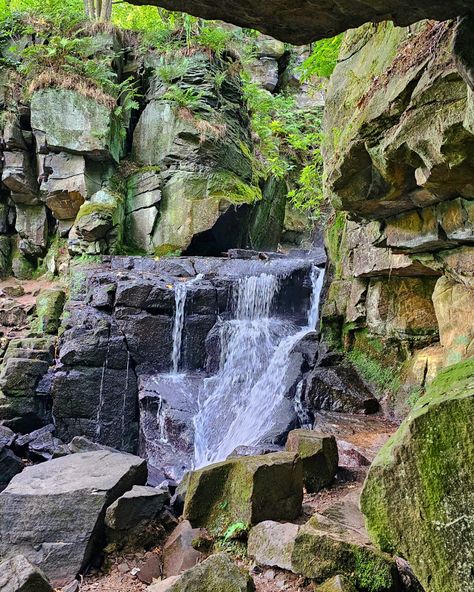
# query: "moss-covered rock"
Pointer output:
{"type": "Point", "coordinates": [218, 573]}
{"type": "Point", "coordinates": [319, 455]}
{"type": "Point", "coordinates": [332, 543]}
{"type": "Point", "coordinates": [337, 584]}
{"type": "Point", "coordinates": [49, 306]}
{"type": "Point", "coordinates": [85, 125]}
{"type": "Point", "coordinates": [419, 493]}
{"type": "Point", "coordinates": [193, 202]}
{"type": "Point", "coordinates": [395, 120]}
{"type": "Point", "coordinates": [98, 227]}
{"type": "Point", "coordinates": [245, 490]}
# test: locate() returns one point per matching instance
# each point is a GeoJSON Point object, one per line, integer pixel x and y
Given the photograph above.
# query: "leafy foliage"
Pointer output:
{"type": "Point", "coordinates": [288, 138]}
{"type": "Point", "coordinates": [214, 38]}
{"type": "Point", "coordinates": [235, 531]}
{"type": "Point", "coordinates": [188, 98]}
{"type": "Point", "coordinates": [322, 60]}
{"type": "Point", "coordinates": [289, 141]}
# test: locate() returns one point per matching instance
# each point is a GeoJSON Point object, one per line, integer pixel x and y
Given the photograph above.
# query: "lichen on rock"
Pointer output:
{"type": "Point", "coordinates": [419, 492]}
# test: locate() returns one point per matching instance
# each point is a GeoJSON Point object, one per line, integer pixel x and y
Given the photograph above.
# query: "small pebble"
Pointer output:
{"type": "Point", "coordinates": [134, 571]}
{"type": "Point", "coordinates": [123, 568]}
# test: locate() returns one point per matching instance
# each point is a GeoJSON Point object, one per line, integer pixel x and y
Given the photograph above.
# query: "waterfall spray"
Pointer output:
{"type": "Point", "coordinates": [236, 405]}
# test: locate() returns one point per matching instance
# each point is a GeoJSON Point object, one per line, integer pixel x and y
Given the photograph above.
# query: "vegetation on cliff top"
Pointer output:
{"type": "Point", "coordinates": [67, 52]}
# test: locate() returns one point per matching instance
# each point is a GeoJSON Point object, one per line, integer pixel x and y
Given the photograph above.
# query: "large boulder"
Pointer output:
{"type": "Point", "coordinates": [19, 575]}
{"type": "Point", "coordinates": [85, 126]}
{"type": "Point", "coordinates": [247, 489]}
{"type": "Point", "coordinates": [132, 521]}
{"type": "Point", "coordinates": [217, 574]}
{"type": "Point", "coordinates": [339, 388]}
{"type": "Point", "coordinates": [53, 513]}
{"type": "Point", "coordinates": [319, 455]}
{"type": "Point", "coordinates": [201, 199]}
{"type": "Point", "coordinates": [418, 495]}
{"type": "Point", "coordinates": [140, 503]}
{"type": "Point", "coordinates": [272, 544]}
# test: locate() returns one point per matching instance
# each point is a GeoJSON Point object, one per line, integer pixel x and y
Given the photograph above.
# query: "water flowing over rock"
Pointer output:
{"type": "Point", "coordinates": [256, 371]}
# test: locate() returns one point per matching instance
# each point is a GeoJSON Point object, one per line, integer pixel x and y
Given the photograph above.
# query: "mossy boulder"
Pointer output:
{"type": "Point", "coordinates": [247, 490]}
{"type": "Point", "coordinates": [49, 306]}
{"type": "Point", "coordinates": [335, 543]}
{"type": "Point", "coordinates": [193, 202]}
{"type": "Point", "coordinates": [419, 493]}
{"type": "Point", "coordinates": [85, 126]}
{"type": "Point", "coordinates": [332, 543]}
{"type": "Point", "coordinates": [218, 573]}
{"type": "Point", "coordinates": [319, 455]}
{"type": "Point", "coordinates": [99, 224]}
{"type": "Point", "coordinates": [337, 584]}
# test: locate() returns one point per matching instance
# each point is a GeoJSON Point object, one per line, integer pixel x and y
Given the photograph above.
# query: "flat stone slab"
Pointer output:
{"type": "Point", "coordinates": [53, 513]}
{"type": "Point", "coordinates": [218, 573]}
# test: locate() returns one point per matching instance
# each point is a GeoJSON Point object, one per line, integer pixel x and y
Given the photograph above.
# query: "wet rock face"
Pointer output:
{"type": "Point", "coordinates": [300, 23]}
{"type": "Point", "coordinates": [117, 346]}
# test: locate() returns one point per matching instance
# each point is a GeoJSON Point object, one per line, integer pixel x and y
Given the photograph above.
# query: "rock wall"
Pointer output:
{"type": "Point", "coordinates": [399, 158]}
{"type": "Point", "coordinates": [400, 165]}
{"type": "Point", "coordinates": [172, 178]}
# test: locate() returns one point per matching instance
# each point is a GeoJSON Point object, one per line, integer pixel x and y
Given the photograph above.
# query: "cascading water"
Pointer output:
{"type": "Point", "coordinates": [180, 291]}
{"type": "Point", "coordinates": [236, 406]}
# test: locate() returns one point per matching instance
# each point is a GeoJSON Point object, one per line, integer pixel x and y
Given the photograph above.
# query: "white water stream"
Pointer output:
{"type": "Point", "coordinates": [180, 291]}
{"type": "Point", "coordinates": [236, 406]}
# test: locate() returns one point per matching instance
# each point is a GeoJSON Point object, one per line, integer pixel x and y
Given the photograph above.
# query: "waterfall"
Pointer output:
{"type": "Point", "coordinates": [180, 291]}
{"type": "Point", "coordinates": [317, 281]}
{"type": "Point", "coordinates": [236, 405]}
{"type": "Point", "coordinates": [101, 403]}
